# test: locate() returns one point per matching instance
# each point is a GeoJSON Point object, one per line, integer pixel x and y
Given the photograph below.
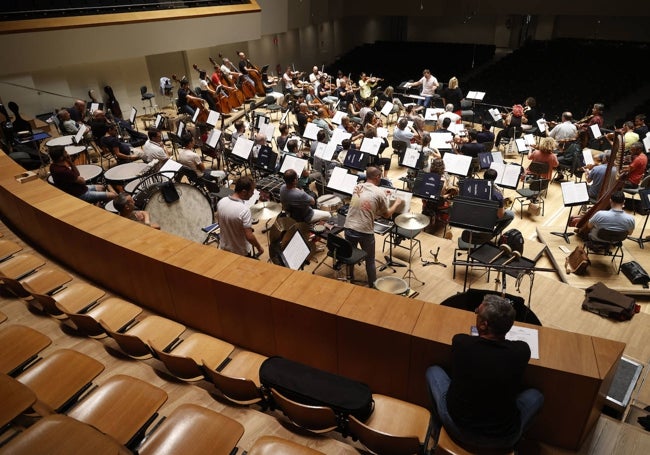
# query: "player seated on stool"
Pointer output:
{"type": "Point", "coordinates": [479, 403]}
{"type": "Point", "coordinates": [125, 206]}
{"type": "Point", "coordinates": [614, 219]}
{"type": "Point", "coordinates": [298, 204]}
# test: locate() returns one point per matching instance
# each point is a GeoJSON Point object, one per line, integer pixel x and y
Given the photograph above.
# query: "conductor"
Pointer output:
{"type": "Point", "coordinates": [368, 202]}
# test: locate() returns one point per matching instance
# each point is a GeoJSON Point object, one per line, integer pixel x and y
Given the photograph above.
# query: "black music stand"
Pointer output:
{"type": "Point", "coordinates": [645, 205]}
{"type": "Point", "coordinates": [573, 193]}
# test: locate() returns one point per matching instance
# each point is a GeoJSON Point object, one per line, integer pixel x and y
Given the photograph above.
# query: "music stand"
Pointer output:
{"type": "Point", "coordinates": [356, 159]}
{"type": "Point", "coordinates": [457, 164]}
{"type": "Point", "coordinates": [645, 205]}
{"type": "Point", "coordinates": [573, 193]}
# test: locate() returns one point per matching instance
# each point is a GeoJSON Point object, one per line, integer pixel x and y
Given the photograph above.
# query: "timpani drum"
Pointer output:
{"type": "Point", "coordinates": [329, 203]}
{"type": "Point", "coordinates": [60, 141]}
{"type": "Point", "coordinates": [184, 217]}
{"type": "Point", "coordinates": [110, 207]}
{"type": "Point", "coordinates": [392, 285]}
{"type": "Point", "coordinates": [74, 151]}
{"type": "Point", "coordinates": [124, 173]}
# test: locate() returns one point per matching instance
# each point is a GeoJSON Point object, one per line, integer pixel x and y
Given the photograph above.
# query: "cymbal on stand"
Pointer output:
{"type": "Point", "coordinates": [412, 221]}
{"type": "Point", "coordinates": [265, 210]}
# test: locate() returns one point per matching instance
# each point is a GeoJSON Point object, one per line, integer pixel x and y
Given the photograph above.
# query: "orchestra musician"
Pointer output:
{"type": "Point", "coordinates": [531, 115]}
{"type": "Point", "coordinates": [544, 152]}
{"type": "Point", "coordinates": [244, 67]}
{"type": "Point", "coordinates": [640, 127]}
{"type": "Point", "coordinates": [350, 127]}
{"type": "Point", "coordinates": [429, 86]}
{"type": "Point", "coordinates": [637, 167]}
{"type": "Point", "coordinates": [389, 95]}
{"type": "Point", "coordinates": [324, 91]}
{"type": "Point", "coordinates": [613, 219]}
{"type": "Point", "coordinates": [512, 123]}
{"type": "Point", "coordinates": [207, 92]}
{"type": "Point", "coordinates": [402, 133]}
{"type": "Point", "coordinates": [367, 85]}
{"type": "Point", "coordinates": [629, 136]}
{"type": "Point", "coordinates": [185, 96]}
{"type": "Point", "coordinates": [322, 123]}
{"type": "Point", "coordinates": [565, 131]}
{"type": "Point", "coordinates": [315, 75]}
{"type": "Point", "coordinates": [345, 94]}
{"type": "Point", "coordinates": [453, 94]}
{"type": "Point", "coordinates": [595, 118]}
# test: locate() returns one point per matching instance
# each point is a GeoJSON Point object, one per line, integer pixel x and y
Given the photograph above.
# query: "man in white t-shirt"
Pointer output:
{"type": "Point", "coordinates": [429, 86]}
{"type": "Point", "coordinates": [236, 222]}
{"type": "Point", "coordinates": [154, 149]}
{"type": "Point", "coordinates": [189, 158]}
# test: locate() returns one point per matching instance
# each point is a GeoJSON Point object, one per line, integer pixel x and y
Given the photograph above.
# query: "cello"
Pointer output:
{"type": "Point", "coordinates": [220, 98]}
{"type": "Point", "coordinates": [195, 103]}
{"type": "Point", "coordinates": [255, 74]}
{"type": "Point", "coordinates": [235, 96]}
{"type": "Point", "coordinates": [604, 195]}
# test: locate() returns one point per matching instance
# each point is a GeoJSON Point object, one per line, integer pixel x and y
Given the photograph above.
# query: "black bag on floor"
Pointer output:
{"type": "Point", "coordinates": [609, 303]}
{"type": "Point", "coordinates": [635, 273]}
{"type": "Point", "coordinates": [314, 387]}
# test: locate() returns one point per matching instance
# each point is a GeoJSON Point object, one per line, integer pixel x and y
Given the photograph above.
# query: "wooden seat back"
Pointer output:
{"type": "Point", "coordinates": [317, 419]}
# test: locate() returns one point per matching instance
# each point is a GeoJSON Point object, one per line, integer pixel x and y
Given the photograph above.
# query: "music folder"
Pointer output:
{"type": "Point", "coordinates": [243, 147]}
{"type": "Point", "coordinates": [457, 164]}
{"type": "Point", "coordinates": [341, 181]}
{"type": "Point", "coordinates": [213, 118]}
{"type": "Point", "coordinates": [338, 115]}
{"type": "Point", "coordinates": [356, 159]}
{"type": "Point", "coordinates": [411, 158]}
{"type": "Point", "coordinates": [427, 185]}
{"type": "Point", "coordinates": [595, 130]}
{"type": "Point", "coordinates": [574, 193]}
{"type": "Point", "coordinates": [475, 189]}
{"type": "Point", "coordinates": [507, 174]}
{"type": "Point", "coordinates": [370, 145]}
{"type": "Point", "coordinates": [522, 145]}
{"type": "Point", "coordinates": [266, 158]}
{"type": "Point", "coordinates": [296, 252]}
{"type": "Point", "coordinates": [387, 108]}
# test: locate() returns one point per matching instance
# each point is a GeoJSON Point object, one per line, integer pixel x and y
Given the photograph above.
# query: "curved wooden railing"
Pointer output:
{"type": "Point", "coordinates": [384, 340]}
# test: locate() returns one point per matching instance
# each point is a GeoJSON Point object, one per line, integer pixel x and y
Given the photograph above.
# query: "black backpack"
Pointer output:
{"type": "Point", "coordinates": [514, 239]}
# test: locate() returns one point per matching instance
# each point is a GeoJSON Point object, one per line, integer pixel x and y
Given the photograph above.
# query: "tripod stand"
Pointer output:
{"type": "Point", "coordinates": [390, 263]}
{"type": "Point", "coordinates": [410, 275]}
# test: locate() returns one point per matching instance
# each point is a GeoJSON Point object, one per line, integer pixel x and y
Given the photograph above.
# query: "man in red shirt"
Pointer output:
{"type": "Point", "coordinates": [636, 169]}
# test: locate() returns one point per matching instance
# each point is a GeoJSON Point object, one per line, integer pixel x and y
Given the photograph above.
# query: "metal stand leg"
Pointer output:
{"type": "Point", "coordinates": [390, 263]}
{"type": "Point", "coordinates": [410, 275]}
{"type": "Point", "coordinates": [641, 239]}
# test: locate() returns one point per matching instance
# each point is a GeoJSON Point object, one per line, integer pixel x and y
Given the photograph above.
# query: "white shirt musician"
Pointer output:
{"type": "Point", "coordinates": [429, 85]}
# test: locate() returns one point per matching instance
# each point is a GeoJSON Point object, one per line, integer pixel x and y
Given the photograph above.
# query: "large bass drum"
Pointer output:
{"type": "Point", "coordinates": [184, 217]}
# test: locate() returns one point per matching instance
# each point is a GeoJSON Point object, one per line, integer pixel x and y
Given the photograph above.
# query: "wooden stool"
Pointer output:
{"type": "Point", "coordinates": [447, 446]}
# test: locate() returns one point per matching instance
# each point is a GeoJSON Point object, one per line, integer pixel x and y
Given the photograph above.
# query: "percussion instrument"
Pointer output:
{"type": "Point", "coordinates": [184, 217]}
{"type": "Point", "coordinates": [110, 207]}
{"type": "Point", "coordinates": [412, 221]}
{"type": "Point", "coordinates": [60, 141]}
{"type": "Point", "coordinates": [265, 210]}
{"type": "Point", "coordinates": [124, 173]}
{"type": "Point", "coordinates": [329, 203]}
{"type": "Point", "coordinates": [270, 185]}
{"type": "Point", "coordinates": [74, 150]}
{"type": "Point", "coordinates": [392, 285]}
{"type": "Point", "coordinates": [90, 172]}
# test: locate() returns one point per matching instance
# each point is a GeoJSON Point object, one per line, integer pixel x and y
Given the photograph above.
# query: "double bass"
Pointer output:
{"type": "Point", "coordinates": [255, 74]}
{"type": "Point", "coordinates": [604, 195]}
{"type": "Point", "coordinates": [235, 96]}
{"type": "Point", "coordinates": [195, 103]}
{"type": "Point", "coordinates": [244, 84]}
{"type": "Point", "coordinates": [111, 102]}
{"type": "Point", "coordinates": [220, 98]}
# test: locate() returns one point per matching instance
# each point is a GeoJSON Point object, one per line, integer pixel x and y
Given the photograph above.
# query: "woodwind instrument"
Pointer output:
{"type": "Point", "coordinates": [604, 195]}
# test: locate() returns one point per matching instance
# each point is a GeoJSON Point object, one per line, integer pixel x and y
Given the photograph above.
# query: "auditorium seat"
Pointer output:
{"type": "Point", "coordinates": [193, 430]}
{"type": "Point", "coordinates": [239, 380]}
{"type": "Point", "coordinates": [114, 312]}
{"type": "Point", "coordinates": [16, 398]}
{"type": "Point", "coordinates": [122, 407]}
{"type": "Point", "coordinates": [19, 346]}
{"type": "Point", "coordinates": [75, 298]}
{"type": "Point", "coordinates": [59, 379]}
{"type": "Point", "coordinates": [272, 445]}
{"type": "Point", "coordinates": [316, 419]}
{"type": "Point", "coordinates": [156, 329]}
{"type": "Point", "coordinates": [19, 266]}
{"type": "Point", "coordinates": [447, 446]}
{"type": "Point", "coordinates": [45, 280]}
{"type": "Point", "coordinates": [185, 358]}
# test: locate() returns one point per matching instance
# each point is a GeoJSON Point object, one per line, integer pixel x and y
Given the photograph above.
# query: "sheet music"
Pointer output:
{"type": "Point", "coordinates": [320, 150]}
{"type": "Point", "coordinates": [283, 119]}
{"type": "Point", "coordinates": [370, 145]}
{"type": "Point", "coordinates": [213, 118]}
{"type": "Point", "coordinates": [522, 146]}
{"type": "Point", "coordinates": [134, 112]}
{"type": "Point", "coordinates": [80, 133]}
{"type": "Point", "coordinates": [158, 122]}
{"type": "Point", "coordinates": [170, 166]}
{"type": "Point", "coordinates": [181, 129]}
{"type": "Point", "coordinates": [196, 115]}
{"type": "Point", "coordinates": [574, 193]}
{"type": "Point", "coordinates": [94, 107]}
{"type": "Point", "coordinates": [646, 143]}
{"type": "Point", "coordinates": [497, 157]}
{"type": "Point", "coordinates": [406, 196]}
{"type": "Point", "coordinates": [457, 164]}
{"type": "Point", "coordinates": [474, 95]}
{"type": "Point", "coordinates": [457, 128]}
{"type": "Point", "coordinates": [341, 181]}
{"type": "Point", "coordinates": [330, 150]}
{"type": "Point", "coordinates": [430, 114]}
{"type": "Point", "coordinates": [311, 131]}
{"type": "Point", "coordinates": [268, 131]}
{"type": "Point", "coordinates": [595, 130]}
{"type": "Point", "coordinates": [213, 138]}
{"type": "Point", "coordinates": [588, 157]}
{"type": "Point", "coordinates": [441, 140]}
{"type": "Point", "coordinates": [507, 174]}
{"type": "Point", "coordinates": [243, 147]}
{"type": "Point", "coordinates": [541, 125]}
{"type": "Point", "coordinates": [411, 157]}
{"type": "Point", "coordinates": [494, 112]}
{"type": "Point", "coordinates": [530, 336]}
{"type": "Point", "coordinates": [382, 132]}
{"type": "Point", "coordinates": [296, 252]}
{"type": "Point", "coordinates": [338, 115]}
{"type": "Point", "coordinates": [338, 135]}
{"type": "Point", "coordinates": [293, 162]}
{"type": "Point", "coordinates": [530, 139]}
{"type": "Point", "coordinates": [388, 107]}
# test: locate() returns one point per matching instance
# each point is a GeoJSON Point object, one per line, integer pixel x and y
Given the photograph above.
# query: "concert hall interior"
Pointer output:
{"type": "Point", "coordinates": [435, 257]}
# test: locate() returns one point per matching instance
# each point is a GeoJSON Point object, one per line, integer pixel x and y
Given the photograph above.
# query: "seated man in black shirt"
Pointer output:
{"type": "Point", "coordinates": [481, 403]}
{"type": "Point", "coordinates": [122, 151]}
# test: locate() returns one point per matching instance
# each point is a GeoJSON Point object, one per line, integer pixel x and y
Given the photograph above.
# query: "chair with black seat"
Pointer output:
{"type": "Point", "coordinates": [610, 243]}
{"type": "Point", "coordinates": [343, 253]}
{"type": "Point", "coordinates": [469, 241]}
{"type": "Point", "coordinates": [395, 427]}
{"type": "Point", "coordinates": [643, 184]}
{"type": "Point", "coordinates": [467, 111]}
{"type": "Point", "coordinates": [399, 148]}
{"type": "Point", "coordinates": [537, 187]}
{"type": "Point", "coordinates": [147, 96]}
{"type": "Point", "coordinates": [316, 419]}
{"type": "Point", "coordinates": [398, 234]}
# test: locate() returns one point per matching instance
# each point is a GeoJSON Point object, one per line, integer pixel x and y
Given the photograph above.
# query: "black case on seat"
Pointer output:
{"type": "Point", "coordinates": [314, 387]}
